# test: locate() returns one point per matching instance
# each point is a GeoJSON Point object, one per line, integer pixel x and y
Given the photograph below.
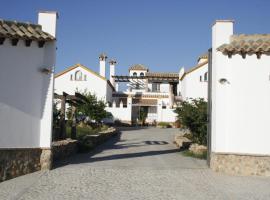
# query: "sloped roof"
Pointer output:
{"type": "Point", "coordinates": [193, 69]}
{"type": "Point", "coordinates": [138, 67]}
{"type": "Point", "coordinates": [203, 56]}
{"type": "Point", "coordinates": [256, 43]}
{"type": "Point", "coordinates": [87, 69]}
{"type": "Point", "coordinates": [145, 102]}
{"type": "Point", "coordinates": [25, 31]}
{"type": "Point", "coordinates": [162, 74]}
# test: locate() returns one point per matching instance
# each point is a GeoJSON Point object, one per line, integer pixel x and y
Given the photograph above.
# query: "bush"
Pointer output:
{"type": "Point", "coordinates": [193, 115]}
{"type": "Point", "coordinates": [164, 124]}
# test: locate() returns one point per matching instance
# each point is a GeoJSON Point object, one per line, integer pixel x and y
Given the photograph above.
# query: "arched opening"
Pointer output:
{"type": "Point", "coordinates": [141, 74]}
{"type": "Point", "coordinates": [78, 76]}
{"type": "Point", "coordinates": [134, 73]}
{"type": "Point", "coordinates": [205, 76]}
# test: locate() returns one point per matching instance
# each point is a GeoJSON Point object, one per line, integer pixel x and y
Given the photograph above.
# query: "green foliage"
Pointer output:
{"type": "Point", "coordinates": [164, 124]}
{"type": "Point", "coordinates": [143, 112]}
{"type": "Point", "coordinates": [94, 109]}
{"type": "Point", "coordinates": [193, 115]}
{"type": "Point", "coordinates": [56, 115]}
{"type": "Point", "coordinates": [191, 154]}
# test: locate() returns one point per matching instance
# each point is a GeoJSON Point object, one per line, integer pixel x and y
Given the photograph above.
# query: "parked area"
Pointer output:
{"type": "Point", "coordinates": [139, 163]}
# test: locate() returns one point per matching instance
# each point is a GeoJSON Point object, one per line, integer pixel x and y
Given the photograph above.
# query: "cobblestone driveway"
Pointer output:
{"type": "Point", "coordinates": [140, 164]}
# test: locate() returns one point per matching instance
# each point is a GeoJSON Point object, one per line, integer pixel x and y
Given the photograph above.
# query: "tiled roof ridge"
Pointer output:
{"type": "Point", "coordinates": [247, 43]}
{"type": "Point", "coordinates": [138, 67]}
{"type": "Point", "coordinates": [10, 22]}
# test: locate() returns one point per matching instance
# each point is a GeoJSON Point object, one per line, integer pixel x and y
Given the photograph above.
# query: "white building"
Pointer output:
{"type": "Point", "coordinates": [239, 101]}
{"type": "Point", "coordinates": [27, 60]}
{"type": "Point", "coordinates": [194, 82]}
{"type": "Point", "coordinates": [80, 78]}
{"type": "Point", "coordinates": [155, 92]}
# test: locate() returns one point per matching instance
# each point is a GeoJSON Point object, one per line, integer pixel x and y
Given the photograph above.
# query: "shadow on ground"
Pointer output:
{"type": "Point", "coordinates": [114, 143]}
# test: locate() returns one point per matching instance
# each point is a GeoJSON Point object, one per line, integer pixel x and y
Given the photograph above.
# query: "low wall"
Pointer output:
{"type": "Point", "coordinates": [64, 148]}
{"type": "Point", "coordinates": [91, 141]}
{"type": "Point", "coordinates": [17, 162]}
{"type": "Point", "coordinates": [237, 164]}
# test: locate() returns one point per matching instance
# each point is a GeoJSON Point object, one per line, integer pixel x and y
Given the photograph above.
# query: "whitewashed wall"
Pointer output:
{"type": "Point", "coordinates": [240, 107]}
{"type": "Point", "coordinates": [26, 95]}
{"type": "Point", "coordinates": [120, 113]}
{"type": "Point", "coordinates": [192, 87]}
{"type": "Point", "coordinates": [93, 84]}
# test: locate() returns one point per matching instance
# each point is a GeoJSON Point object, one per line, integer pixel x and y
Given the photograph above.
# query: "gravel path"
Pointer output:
{"type": "Point", "coordinates": [139, 164]}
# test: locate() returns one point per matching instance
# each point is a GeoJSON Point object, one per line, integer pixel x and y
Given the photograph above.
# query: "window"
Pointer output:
{"type": "Point", "coordinates": [78, 76]}
{"type": "Point", "coordinates": [200, 78]}
{"type": "Point", "coordinates": [71, 77]}
{"type": "Point", "coordinates": [141, 74]}
{"type": "Point", "coordinates": [205, 76]}
{"type": "Point", "coordinates": [156, 87]}
{"type": "Point", "coordinates": [164, 107]}
{"type": "Point", "coordinates": [134, 73]}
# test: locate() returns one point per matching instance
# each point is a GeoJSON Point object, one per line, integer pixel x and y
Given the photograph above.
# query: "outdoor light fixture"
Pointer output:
{"type": "Point", "coordinates": [45, 70]}
{"type": "Point", "coordinates": [223, 81]}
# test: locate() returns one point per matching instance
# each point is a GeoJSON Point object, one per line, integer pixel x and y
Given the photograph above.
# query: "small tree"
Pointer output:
{"type": "Point", "coordinates": [193, 115]}
{"type": "Point", "coordinates": [143, 114]}
{"type": "Point", "coordinates": [93, 108]}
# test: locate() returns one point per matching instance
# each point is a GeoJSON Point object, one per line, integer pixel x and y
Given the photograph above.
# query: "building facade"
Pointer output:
{"type": "Point", "coordinates": [156, 93]}
{"type": "Point", "coordinates": [239, 101]}
{"type": "Point", "coordinates": [194, 82]}
{"type": "Point", "coordinates": [27, 54]}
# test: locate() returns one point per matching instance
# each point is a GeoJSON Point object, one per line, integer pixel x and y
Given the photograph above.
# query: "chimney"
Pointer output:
{"type": "Point", "coordinates": [112, 71]}
{"type": "Point", "coordinates": [102, 64]}
{"type": "Point", "coordinates": [221, 32]}
{"type": "Point", "coordinates": [48, 19]}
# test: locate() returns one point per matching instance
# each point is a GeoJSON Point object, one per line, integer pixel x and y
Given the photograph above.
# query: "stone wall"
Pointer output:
{"type": "Point", "coordinates": [17, 162]}
{"type": "Point", "coordinates": [64, 148]}
{"type": "Point", "coordinates": [237, 164]}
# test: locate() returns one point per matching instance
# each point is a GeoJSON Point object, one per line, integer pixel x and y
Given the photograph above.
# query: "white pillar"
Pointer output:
{"type": "Point", "coordinates": [48, 19]}
{"type": "Point", "coordinates": [221, 32]}
{"type": "Point", "coordinates": [102, 64]}
{"type": "Point", "coordinates": [112, 71]}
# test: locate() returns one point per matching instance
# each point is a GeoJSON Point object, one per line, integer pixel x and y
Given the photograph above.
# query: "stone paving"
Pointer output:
{"type": "Point", "coordinates": [139, 164]}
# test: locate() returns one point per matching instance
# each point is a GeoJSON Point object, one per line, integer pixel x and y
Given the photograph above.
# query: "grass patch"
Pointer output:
{"type": "Point", "coordinates": [86, 130]}
{"type": "Point", "coordinates": [188, 153]}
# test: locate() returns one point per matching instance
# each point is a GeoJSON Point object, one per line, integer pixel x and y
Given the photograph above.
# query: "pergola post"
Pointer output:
{"type": "Point", "coordinates": [62, 134]}
{"type": "Point", "coordinates": [73, 124]}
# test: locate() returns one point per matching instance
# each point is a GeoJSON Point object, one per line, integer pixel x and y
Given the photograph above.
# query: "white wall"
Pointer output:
{"type": "Point", "coordinates": [26, 95]}
{"type": "Point", "coordinates": [240, 107]}
{"type": "Point", "coordinates": [93, 84]}
{"type": "Point", "coordinates": [192, 87]}
{"type": "Point", "coordinates": [120, 113]}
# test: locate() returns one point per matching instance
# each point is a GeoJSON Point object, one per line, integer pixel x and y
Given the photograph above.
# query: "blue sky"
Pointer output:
{"type": "Point", "coordinates": [163, 35]}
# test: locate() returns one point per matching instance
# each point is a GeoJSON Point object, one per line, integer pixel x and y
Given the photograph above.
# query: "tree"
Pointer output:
{"type": "Point", "coordinates": [93, 108]}
{"type": "Point", "coordinates": [143, 111]}
{"type": "Point", "coordinates": [193, 115]}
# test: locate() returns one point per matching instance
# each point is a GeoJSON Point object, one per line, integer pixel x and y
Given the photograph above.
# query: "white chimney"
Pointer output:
{"type": "Point", "coordinates": [102, 64]}
{"type": "Point", "coordinates": [112, 71]}
{"type": "Point", "coordinates": [48, 19]}
{"type": "Point", "coordinates": [221, 32]}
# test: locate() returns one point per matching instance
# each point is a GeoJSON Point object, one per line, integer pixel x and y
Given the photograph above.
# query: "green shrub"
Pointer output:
{"type": "Point", "coordinates": [164, 124]}
{"type": "Point", "coordinates": [193, 115]}
{"type": "Point", "coordinates": [191, 154]}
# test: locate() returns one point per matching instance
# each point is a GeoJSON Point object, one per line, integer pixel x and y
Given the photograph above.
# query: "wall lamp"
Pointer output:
{"type": "Point", "coordinates": [45, 70]}
{"type": "Point", "coordinates": [223, 81]}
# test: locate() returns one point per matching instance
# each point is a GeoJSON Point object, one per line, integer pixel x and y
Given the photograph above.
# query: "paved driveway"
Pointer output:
{"type": "Point", "coordinates": [139, 164]}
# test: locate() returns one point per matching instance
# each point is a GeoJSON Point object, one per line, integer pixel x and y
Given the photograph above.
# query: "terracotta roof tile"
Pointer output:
{"type": "Point", "coordinates": [162, 74]}
{"type": "Point", "coordinates": [138, 67]}
{"type": "Point", "coordinates": [19, 30]}
{"type": "Point", "coordinates": [250, 44]}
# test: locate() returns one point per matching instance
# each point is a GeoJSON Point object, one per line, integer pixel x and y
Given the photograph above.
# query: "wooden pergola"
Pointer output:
{"type": "Point", "coordinates": [149, 78]}
{"type": "Point", "coordinates": [74, 101]}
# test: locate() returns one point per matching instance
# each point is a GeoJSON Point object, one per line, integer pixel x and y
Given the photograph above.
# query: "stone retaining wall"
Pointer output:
{"type": "Point", "coordinates": [64, 148]}
{"type": "Point", "coordinates": [236, 164]}
{"type": "Point", "coordinates": [17, 162]}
